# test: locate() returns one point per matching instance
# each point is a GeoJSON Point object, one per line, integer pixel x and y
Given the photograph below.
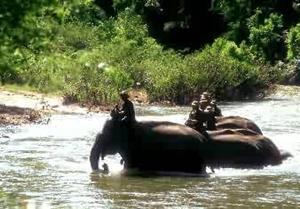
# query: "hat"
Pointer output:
{"type": "Point", "coordinates": [205, 96]}
{"type": "Point", "coordinates": [124, 94]}
{"type": "Point", "coordinates": [203, 101]}
{"type": "Point", "coordinates": [205, 93]}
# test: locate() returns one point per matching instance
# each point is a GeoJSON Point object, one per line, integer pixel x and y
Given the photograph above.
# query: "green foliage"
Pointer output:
{"type": "Point", "coordinates": [8, 69]}
{"type": "Point", "coordinates": [74, 48]}
{"type": "Point", "coordinates": [226, 69]}
{"type": "Point", "coordinates": [265, 35]}
{"type": "Point", "coordinates": [236, 13]}
{"type": "Point", "coordinates": [97, 85]}
{"type": "Point", "coordinates": [260, 24]}
{"type": "Point", "coordinates": [293, 42]}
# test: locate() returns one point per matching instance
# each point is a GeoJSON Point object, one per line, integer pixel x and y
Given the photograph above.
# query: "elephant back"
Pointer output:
{"type": "Point", "coordinates": [236, 122]}
{"type": "Point", "coordinates": [165, 128]}
{"type": "Point", "coordinates": [230, 148]}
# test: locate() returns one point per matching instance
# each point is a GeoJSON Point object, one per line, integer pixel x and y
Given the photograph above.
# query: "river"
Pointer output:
{"type": "Point", "coordinates": [46, 166]}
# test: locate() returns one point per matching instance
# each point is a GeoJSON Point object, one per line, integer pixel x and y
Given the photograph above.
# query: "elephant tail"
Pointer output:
{"type": "Point", "coordinates": [285, 155]}
{"type": "Point", "coordinates": [95, 153]}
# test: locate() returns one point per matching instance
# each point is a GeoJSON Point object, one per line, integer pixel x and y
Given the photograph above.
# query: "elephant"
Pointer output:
{"type": "Point", "coordinates": [236, 122]}
{"type": "Point", "coordinates": [241, 148]}
{"type": "Point", "coordinates": [165, 146]}
{"type": "Point", "coordinates": [151, 147]}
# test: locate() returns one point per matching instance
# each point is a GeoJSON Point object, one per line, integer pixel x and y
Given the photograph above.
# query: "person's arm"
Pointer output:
{"type": "Point", "coordinates": [124, 112]}
{"type": "Point", "coordinates": [117, 108]}
{"type": "Point", "coordinates": [115, 112]}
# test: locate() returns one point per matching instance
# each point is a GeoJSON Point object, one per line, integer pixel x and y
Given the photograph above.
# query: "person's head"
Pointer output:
{"type": "Point", "coordinates": [205, 96]}
{"type": "Point", "coordinates": [208, 108]}
{"type": "Point", "coordinates": [195, 105]}
{"type": "Point", "coordinates": [124, 95]}
{"type": "Point", "coordinates": [213, 102]}
{"type": "Point", "coordinates": [204, 103]}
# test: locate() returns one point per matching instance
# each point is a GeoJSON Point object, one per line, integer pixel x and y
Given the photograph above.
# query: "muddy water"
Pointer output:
{"type": "Point", "coordinates": [46, 166]}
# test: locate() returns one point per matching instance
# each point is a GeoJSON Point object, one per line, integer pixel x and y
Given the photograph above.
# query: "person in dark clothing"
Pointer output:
{"type": "Point", "coordinates": [127, 116]}
{"type": "Point", "coordinates": [207, 104]}
{"type": "Point", "coordinates": [210, 121]}
{"type": "Point", "coordinates": [194, 120]}
{"type": "Point", "coordinates": [208, 115]}
{"type": "Point", "coordinates": [216, 110]}
{"type": "Point", "coordinates": [126, 113]}
{"type": "Point", "coordinates": [197, 119]}
{"type": "Point", "coordinates": [204, 105]}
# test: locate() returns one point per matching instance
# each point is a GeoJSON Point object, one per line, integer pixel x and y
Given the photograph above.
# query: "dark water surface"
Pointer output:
{"type": "Point", "coordinates": [46, 166]}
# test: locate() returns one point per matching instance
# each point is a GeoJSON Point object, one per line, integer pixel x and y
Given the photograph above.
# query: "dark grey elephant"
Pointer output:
{"type": "Point", "coordinates": [236, 122]}
{"type": "Point", "coordinates": [151, 146]}
{"type": "Point", "coordinates": [165, 146]}
{"type": "Point", "coordinates": [241, 148]}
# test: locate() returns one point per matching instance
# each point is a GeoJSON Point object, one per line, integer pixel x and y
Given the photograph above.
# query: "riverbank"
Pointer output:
{"type": "Point", "coordinates": [19, 107]}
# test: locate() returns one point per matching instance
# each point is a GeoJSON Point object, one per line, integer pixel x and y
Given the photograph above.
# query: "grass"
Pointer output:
{"type": "Point", "coordinates": [25, 88]}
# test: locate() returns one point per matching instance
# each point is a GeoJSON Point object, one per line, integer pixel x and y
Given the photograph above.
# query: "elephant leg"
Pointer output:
{"type": "Point", "coordinates": [200, 165]}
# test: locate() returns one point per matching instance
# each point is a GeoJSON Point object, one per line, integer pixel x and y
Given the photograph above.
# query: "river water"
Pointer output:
{"type": "Point", "coordinates": [46, 166]}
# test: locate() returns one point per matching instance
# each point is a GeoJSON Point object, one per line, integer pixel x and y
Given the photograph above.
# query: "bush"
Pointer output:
{"type": "Point", "coordinates": [9, 64]}
{"type": "Point", "coordinates": [97, 85]}
{"type": "Point", "coordinates": [58, 49]}
{"type": "Point", "coordinates": [293, 42]}
{"type": "Point", "coordinates": [265, 36]}
{"type": "Point", "coordinates": [226, 70]}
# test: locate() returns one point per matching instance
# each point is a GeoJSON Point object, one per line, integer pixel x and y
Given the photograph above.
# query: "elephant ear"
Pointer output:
{"type": "Point", "coordinates": [114, 136]}
{"type": "Point", "coordinates": [112, 127]}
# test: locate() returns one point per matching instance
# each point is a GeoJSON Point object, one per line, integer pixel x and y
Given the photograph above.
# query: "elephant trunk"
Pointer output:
{"type": "Point", "coordinates": [95, 153]}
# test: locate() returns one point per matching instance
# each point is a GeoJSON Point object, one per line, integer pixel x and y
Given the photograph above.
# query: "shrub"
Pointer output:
{"type": "Point", "coordinates": [59, 48]}
{"type": "Point", "coordinates": [97, 85]}
{"type": "Point", "coordinates": [265, 35]}
{"type": "Point", "coordinates": [226, 70]}
{"type": "Point", "coordinates": [293, 42]}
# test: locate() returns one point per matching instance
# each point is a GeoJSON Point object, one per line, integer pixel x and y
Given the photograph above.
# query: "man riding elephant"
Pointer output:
{"type": "Point", "coordinates": [208, 114]}
{"type": "Point", "coordinates": [209, 105]}
{"type": "Point", "coordinates": [194, 121]}
{"type": "Point", "coordinates": [200, 120]}
{"type": "Point", "coordinates": [126, 114]}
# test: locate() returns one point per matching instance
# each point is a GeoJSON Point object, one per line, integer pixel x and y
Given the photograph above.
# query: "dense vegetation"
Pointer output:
{"type": "Point", "coordinates": [90, 50]}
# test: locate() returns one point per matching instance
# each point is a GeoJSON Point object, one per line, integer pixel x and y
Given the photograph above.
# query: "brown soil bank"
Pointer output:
{"type": "Point", "coordinates": [12, 115]}
{"type": "Point", "coordinates": [27, 107]}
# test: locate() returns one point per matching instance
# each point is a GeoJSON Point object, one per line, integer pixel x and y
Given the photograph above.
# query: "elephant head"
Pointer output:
{"type": "Point", "coordinates": [109, 142]}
